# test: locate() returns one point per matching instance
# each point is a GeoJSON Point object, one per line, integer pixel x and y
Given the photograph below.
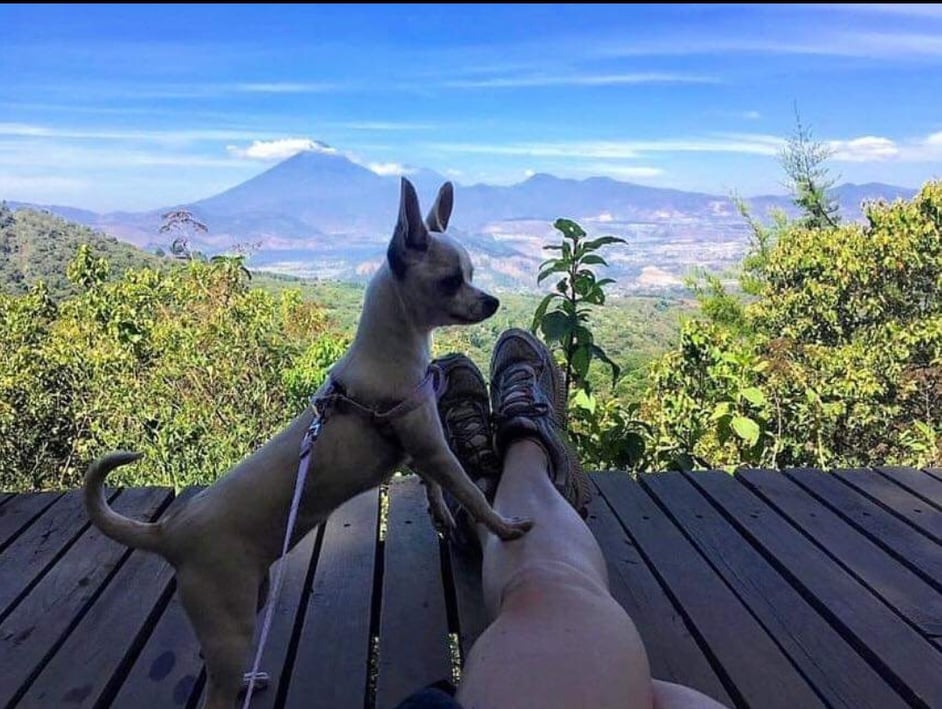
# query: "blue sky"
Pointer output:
{"type": "Point", "coordinates": [137, 107]}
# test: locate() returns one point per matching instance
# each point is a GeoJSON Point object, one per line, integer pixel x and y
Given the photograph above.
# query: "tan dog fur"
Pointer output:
{"type": "Point", "coordinates": [224, 539]}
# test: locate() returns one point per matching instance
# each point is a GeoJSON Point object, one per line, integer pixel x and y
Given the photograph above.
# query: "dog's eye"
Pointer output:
{"type": "Point", "coordinates": [451, 284]}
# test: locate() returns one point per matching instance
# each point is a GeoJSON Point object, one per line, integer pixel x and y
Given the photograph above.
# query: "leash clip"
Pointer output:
{"type": "Point", "coordinates": [314, 430]}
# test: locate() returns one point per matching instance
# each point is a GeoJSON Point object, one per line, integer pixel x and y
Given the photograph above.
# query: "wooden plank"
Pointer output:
{"type": "Point", "coordinates": [37, 548]}
{"type": "Point", "coordinates": [331, 665]}
{"type": "Point", "coordinates": [921, 515]}
{"type": "Point", "coordinates": [915, 550]}
{"type": "Point", "coordinates": [166, 671]}
{"type": "Point", "coordinates": [841, 676]}
{"type": "Point", "coordinates": [6, 497]}
{"type": "Point", "coordinates": [903, 590]}
{"type": "Point", "coordinates": [760, 674]}
{"type": "Point", "coordinates": [38, 625]}
{"type": "Point", "coordinates": [672, 650]}
{"type": "Point", "coordinates": [413, 636]}
{"type": "Point", "coordinates": [934, 472]}
{"type": "Point", "coordinates": [917, 482]}
{"type": "Point", "coordinates": [894, 648]}
{"type": "Point", "coordinates": [469, 596]}
{"type": "Point", "coordinates": [108, 635]}
{"type": "Point", "coordinates": [287, 615]}
{"type": "Point", "coordinates": [16, 516]}
{"type": "Point", "coordinates": [275, 657]}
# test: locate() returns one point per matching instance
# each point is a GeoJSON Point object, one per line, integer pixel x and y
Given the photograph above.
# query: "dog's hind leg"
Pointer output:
{"type": "Point", "coordinates": [221, 608]}
{"type": "Point", "coordinates": [263, 590]}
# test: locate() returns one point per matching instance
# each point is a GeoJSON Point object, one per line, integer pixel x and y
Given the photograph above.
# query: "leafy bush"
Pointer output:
{"type": "Point", "coordinates": [838, 361]}
{"type": "Point", "coordinates": [606, 432]}
{"type": "Point", "coordinates": [187, 365]}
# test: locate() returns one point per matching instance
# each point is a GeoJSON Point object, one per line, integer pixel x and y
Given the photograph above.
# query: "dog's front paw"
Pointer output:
{"type": "Point", "coordinates": [443, 521]}
{"type": "Point", "coordinates": [513, 528]}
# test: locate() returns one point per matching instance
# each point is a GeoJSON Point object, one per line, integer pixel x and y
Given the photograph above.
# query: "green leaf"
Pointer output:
{"type": "Point", "coordinates": [720, 410]}
{"type": "Point", "coordinates": [541, 310]}
{"type": "Point", "coordinates": [754, 396]}
{"type": "Point", "coordinates": [583, 335]}
{"type": "Point", "coordinates": [569, 228]}
{"type": "Point", "coordinates": [632, 449]}
{"type": "Point", "coordinates": [600, 354]}
{"type": "Point", "coordinates": [594, 259]}
{"type": "Point", "coordinates": [746, 429]}
{"type": "Point", "coordinates": [593, 244]}
{"type": "Point", "coordinates": [583, 400]}
{"type": "Point", "coordinates": [555, 268]}
{"type": "Point", "coordinates": [555, 326]}
{"type": "Point", "coordinates": [580, 360]}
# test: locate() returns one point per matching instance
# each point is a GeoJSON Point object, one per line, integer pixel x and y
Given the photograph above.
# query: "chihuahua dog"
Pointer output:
{"type": "Point", "coordinates": [223, 540]}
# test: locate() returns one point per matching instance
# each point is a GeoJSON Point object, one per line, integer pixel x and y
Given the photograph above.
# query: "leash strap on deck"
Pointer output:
{"type": "Point", "coordinates": [304, 464]}
{"type": "Point", "coordinates": [430, 387]}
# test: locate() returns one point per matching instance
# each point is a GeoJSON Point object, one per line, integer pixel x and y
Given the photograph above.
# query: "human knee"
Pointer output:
{"type": "Point", "coordinates": [550, 580]}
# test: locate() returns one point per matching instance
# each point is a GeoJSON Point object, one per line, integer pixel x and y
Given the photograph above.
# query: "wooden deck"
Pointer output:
{"type": "Point", "coordinates": [764, 590]}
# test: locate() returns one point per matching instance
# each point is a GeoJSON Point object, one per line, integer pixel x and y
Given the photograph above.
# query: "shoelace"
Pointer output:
{"type": "Point", "coordinates": [464, 425]}
{"type": "Point", "coordinates": [520, 391]}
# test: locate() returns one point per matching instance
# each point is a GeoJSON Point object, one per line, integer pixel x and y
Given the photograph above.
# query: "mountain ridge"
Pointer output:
{"type": "Point", "coordinates": [318, 213]}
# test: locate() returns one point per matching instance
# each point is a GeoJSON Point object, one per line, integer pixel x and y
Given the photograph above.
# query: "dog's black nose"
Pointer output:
{"type": "Point", "coordinates": [491, 304]}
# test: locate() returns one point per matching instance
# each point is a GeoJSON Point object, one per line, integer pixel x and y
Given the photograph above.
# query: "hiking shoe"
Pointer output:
{"type": "Point", "coordinates": [528, 400]}
{"type": "Point", "coordinates": [464, 411]}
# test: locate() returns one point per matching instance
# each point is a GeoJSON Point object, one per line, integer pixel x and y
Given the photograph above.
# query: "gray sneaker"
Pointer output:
{"type": "Point", "coordinates": [528, 400]}
{"type": "Point", "coordinates": [465, 413]}
{"type": "Point", "coordinates": [466, 417]}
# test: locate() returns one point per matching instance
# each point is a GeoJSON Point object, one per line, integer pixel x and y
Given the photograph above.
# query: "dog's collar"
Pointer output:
{"type": "Point", "coordinates": [335, 393]}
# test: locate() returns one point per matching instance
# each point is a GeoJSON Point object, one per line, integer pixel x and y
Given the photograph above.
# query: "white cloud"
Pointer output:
{"type": "Point", "coordinates": [279, 149]}
{"type": "Point", "coordinates": [863, 44]}
{"type": "Point", "coordinates": [751, 115]}
{"type": "Point", "coordinates": [286, 87]}
{"type": "Point", "coordinates": [935, 139]}
{"type": "Point", "coordinates": [529, 173]}
{"type": "Point", "coordinates": [389, 168]}
{"type": "Point", "coordinates": [537, 80]}
{"type": "Point", "coordinates": [868, 148]}
{"type": "Point", "coordinates": [26, 130]}
{"type": "Point", "coordinates": [754, 144]}
{"type": "Point", "coordinates": [623, 171]}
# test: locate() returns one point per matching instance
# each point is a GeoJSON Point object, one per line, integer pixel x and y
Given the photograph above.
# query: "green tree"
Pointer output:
{"type": "Point", "coordinates": [188, 365]}
{"type": "Point", "coordinates": [607, 433]}
{"type": "Point", "coordinates": [838, 361]}
{"type": "Point", "coordinates": [804, 161]}
{"type": "Point", "coordinates": [563, 315]}
{"type": "Point", "coordinates": [182, 227]}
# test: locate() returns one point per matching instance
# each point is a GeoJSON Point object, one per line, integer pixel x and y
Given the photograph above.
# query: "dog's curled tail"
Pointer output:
{"type": "Point", "coordinates": [139, 535]}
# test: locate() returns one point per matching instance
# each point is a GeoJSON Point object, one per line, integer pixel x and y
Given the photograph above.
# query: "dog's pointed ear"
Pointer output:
{"type": "Point", "coordinates": [440, 213]}
{"type": "Point", "coordinates": [410, 239]}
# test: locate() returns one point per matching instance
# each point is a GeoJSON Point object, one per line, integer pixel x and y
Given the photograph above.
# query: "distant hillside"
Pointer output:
{"type": "Point", "coordinates": [37, 245]}
{"type": "Point", "coordinates": [319, 214]}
